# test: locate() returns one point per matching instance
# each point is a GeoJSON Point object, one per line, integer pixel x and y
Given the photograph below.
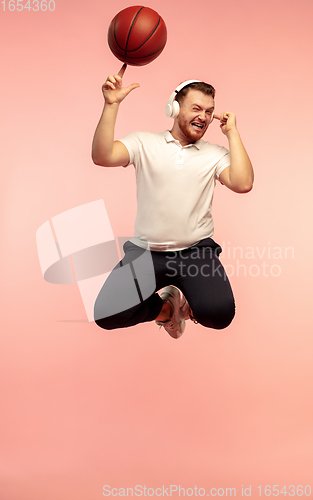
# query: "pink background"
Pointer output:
{"type": "Point", "coordinates": [81, 407]}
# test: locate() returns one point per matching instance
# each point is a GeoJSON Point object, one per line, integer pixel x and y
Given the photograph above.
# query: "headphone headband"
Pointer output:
{"type": "Point", "coordinates": [184, 84]}
{"type": "Point", "coordinates": [172, 106]}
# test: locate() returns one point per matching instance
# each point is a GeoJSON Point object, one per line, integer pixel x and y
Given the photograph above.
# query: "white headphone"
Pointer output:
{"type": "Point", "coordinates": [172, 106]}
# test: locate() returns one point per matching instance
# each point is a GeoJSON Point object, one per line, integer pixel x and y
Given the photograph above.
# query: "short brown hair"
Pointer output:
{"type": "Point", "coordinates": [203, 87]}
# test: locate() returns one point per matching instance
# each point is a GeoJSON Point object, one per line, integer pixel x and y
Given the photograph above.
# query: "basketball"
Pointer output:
{"type": "Point", "coordinates": [137, 35]}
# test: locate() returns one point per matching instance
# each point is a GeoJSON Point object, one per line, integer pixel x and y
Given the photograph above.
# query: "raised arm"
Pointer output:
{"type": "Point", "coordinates": [239, 175]}
{"type": "Point", "coordinates": [107, 152]}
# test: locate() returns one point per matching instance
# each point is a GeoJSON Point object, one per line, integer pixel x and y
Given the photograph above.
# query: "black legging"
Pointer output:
{"type": "Point", "coordinates": [129, 297]}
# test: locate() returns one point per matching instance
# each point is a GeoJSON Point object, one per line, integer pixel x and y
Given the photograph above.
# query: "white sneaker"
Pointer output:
{"type": "Point", "coordinates": [175, 326]}
{"type": "Point", "coordinates": [186, 310]}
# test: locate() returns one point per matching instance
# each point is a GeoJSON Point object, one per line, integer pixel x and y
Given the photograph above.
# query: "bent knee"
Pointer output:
{"type": "Point", "coordinates": [103, 318]}
{"type": "Point", "coordinates": [217, 318]}
{"type": "Point", "coordinates": [105, 324]}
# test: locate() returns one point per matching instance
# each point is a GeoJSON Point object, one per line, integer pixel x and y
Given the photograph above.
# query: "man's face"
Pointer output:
{"type": "Point", "coordinates": [194, 116]}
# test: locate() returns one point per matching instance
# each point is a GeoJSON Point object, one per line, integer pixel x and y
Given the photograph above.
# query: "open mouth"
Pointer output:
{"type": "Point", "coordinates": [197, 126]}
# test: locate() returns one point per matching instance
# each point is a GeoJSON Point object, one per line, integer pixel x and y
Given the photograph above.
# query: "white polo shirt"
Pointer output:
{"type": "Point", "coordinates": [175, 187]}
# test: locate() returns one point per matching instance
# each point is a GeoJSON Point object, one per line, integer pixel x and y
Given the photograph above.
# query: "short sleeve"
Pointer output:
{"type": "Point", "coordinates": [133, 144]}
{"type": "Point", "coordinates": [223, 163]}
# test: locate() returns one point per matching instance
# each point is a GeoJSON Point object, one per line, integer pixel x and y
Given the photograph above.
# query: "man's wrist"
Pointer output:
{"type": "Point", "coordinates": [111, 104]}
{"type": "Point", "coordinates": [233, 133]}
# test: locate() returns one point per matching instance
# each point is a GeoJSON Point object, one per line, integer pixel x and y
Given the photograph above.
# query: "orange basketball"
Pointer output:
{"type": "Point", "coordinates": [137, 35]}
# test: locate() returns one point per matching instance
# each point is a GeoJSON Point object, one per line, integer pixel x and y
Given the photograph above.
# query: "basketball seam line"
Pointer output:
{"type": "Point", "coordinates": [147, 38]}
{"type": "Point", "coordinates": [124, 50]}
{"type": "Point", "coordinates": [114, 33]}
{"type": "Point", "coordinates": [140, 57]}
{"type": "Point", "coordinates": [131, 30]}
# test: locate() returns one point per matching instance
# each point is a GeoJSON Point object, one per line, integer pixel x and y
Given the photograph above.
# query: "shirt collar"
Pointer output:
{"type": "Point", "coordinates": [169, 138]}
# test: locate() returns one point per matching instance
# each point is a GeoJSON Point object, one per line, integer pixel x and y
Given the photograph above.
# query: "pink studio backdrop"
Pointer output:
{"type": "Point", "coordinates": [83, 408]}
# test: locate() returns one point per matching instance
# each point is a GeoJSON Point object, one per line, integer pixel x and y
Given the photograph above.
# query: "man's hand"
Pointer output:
{"type": "Point", "coordinates": [239, 175]}
{"type": "Point", "coordinates": [227, 122]}
{"type": "Point", "coordinates": [112, 89]}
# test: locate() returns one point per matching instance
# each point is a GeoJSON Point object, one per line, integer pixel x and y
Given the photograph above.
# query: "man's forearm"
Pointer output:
{"type": "Point", "coordinates": [102, 145]}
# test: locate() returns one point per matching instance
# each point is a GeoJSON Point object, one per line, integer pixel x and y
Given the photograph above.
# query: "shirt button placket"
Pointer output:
{"type": "Point", "coordinates": [180, 158]}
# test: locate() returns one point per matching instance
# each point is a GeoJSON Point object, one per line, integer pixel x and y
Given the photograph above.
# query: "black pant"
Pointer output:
{"type": "Point", "coordinates": [129, 297]}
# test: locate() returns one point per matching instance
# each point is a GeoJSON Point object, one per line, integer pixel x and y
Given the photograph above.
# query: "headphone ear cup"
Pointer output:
{"type": "Point", "coordinates": [169, 105]}
{"type": "Point", "coordinates": [175, 109]}
{"type": "Point", "coordinates": [168, 110]}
